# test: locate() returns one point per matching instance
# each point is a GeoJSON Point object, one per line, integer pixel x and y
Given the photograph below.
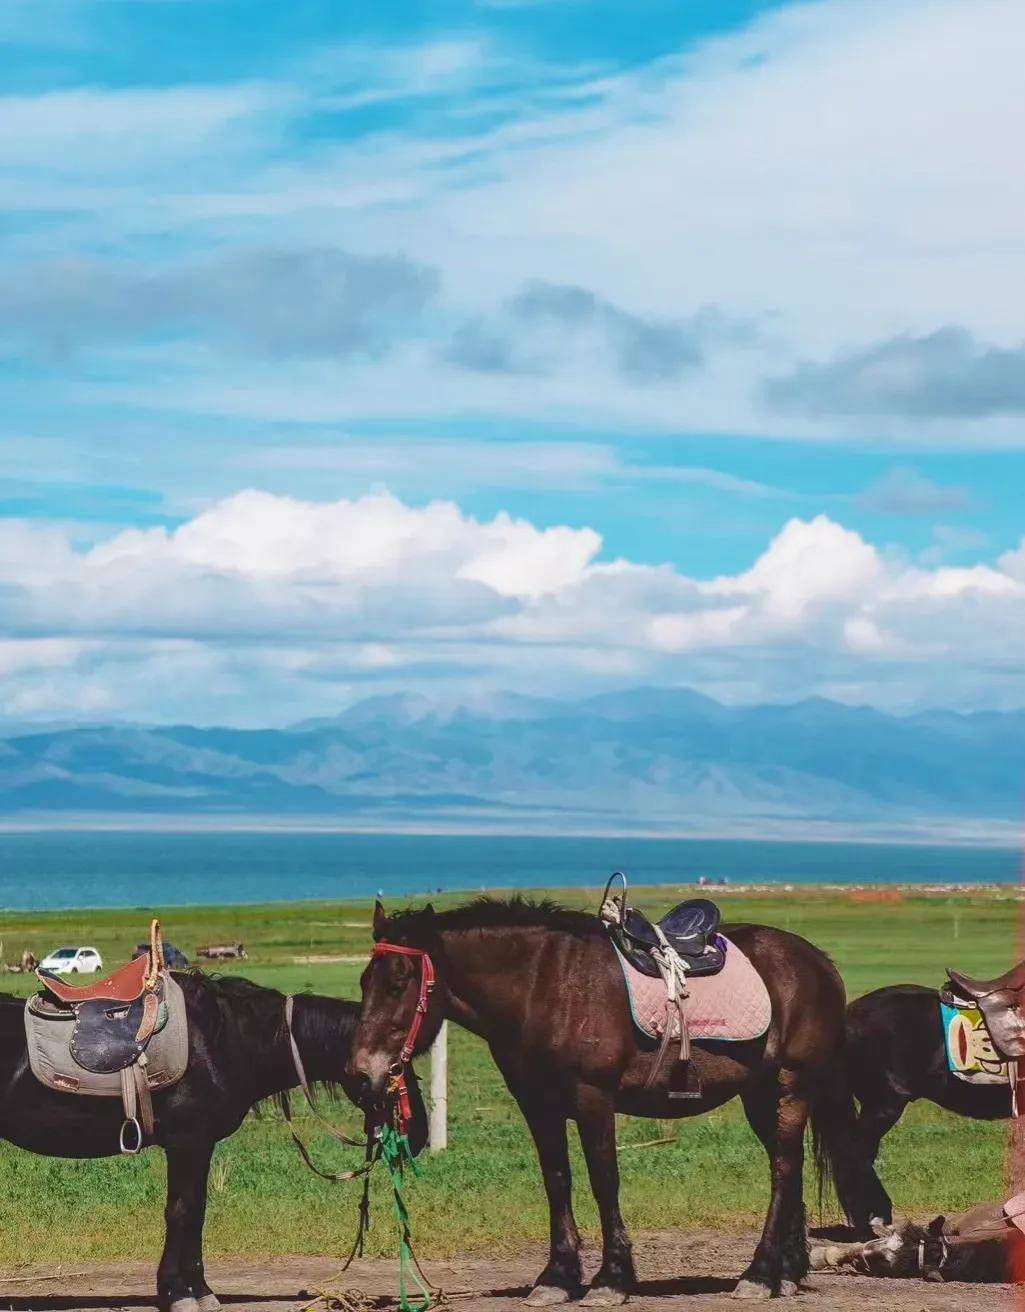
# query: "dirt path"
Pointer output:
{"type": "Point", "coordinates": [679, 1272]}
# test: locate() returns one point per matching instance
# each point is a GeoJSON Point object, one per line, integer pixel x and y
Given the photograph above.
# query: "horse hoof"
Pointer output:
{"type": "Point", "coordinates": [788, 1288]}
{"type": "Point", "coordinates": [546, 1296]}
{"type": "Point", "coordinates": [208, 1303]}
{"type": "Point", "coordinates": [185, 1305]}
{"type": "Point", "coordinates": [751, 1289]}
{"type": "Point", "coordinates": [603, 1297]}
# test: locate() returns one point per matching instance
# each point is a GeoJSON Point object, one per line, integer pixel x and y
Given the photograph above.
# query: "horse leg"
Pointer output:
{"type": "Point", "coordinates": [874, 1206]}
{"type": "Point", "coordinates": [561, 1278]}
{"type": "Point", "coordinates": [596, 1120]}
{"type": "Point", "coordinates": [181, 1283]}
{"type": "Point", "coordinates": [777, 1111]}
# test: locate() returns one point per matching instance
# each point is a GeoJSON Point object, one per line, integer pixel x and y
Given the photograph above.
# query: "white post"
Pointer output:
{"type": "Point", "coordinates": [439, 1091]}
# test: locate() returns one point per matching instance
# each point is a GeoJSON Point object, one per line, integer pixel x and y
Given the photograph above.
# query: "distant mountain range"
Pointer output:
{"type": "Point", "coordinates": [655, 760]}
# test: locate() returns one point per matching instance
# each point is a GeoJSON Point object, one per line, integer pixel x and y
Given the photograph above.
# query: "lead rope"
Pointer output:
{"type": "Point", "coordinates": [394, 1148]}
{"type": "Point", "coordinates": [397, 1156]}
{"type": "Point", "coordinates": [338, 1135]}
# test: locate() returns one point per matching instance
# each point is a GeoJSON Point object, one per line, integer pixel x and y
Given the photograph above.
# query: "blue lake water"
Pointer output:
{"type": "Point", "coordinates": [66, 869]}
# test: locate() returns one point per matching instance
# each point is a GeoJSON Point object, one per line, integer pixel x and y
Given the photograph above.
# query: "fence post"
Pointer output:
{"type": "Point", "coordinates": [439, 1091]}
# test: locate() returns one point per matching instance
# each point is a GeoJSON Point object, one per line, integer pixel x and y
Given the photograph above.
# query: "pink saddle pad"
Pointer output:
{"type": "Point", "coordinates": [733, 1005]}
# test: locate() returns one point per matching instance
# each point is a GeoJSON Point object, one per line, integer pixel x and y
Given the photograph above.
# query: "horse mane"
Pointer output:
{"type": "Point", "coordinates": [235, 988]}
{"type": "Point", "coordinates": [325, 1021]}
{"type": "Point", "coordinates": [516, 912]}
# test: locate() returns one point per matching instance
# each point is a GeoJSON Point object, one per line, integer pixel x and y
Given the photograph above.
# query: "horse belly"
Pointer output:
{"type": "Point", "coordinates": [722, 1074]}
{"type": "Point", "coordinates": [53, 1124]}
{"type": "Point", "coordinates": [657, 1105]}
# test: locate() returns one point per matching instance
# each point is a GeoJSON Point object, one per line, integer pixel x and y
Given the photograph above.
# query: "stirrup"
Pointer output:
{"type": "Point", "coordinates": [128, 1150]}
{"type": "Point", "coordinates": [688, 1071]}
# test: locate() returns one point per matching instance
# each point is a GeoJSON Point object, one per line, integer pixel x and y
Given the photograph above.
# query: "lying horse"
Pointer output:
{"type": "Point", "coordinates": [239, 1054]}
{"type": "Point", "coordinates": [896, 1054]}
{"type": "Point", "coordinates": [981, 1245]}
{"type": "Point", "coordinates": [543, 987]}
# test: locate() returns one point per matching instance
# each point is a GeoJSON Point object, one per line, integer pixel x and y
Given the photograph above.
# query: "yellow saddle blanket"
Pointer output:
{"type": "Point", "coordinates": [970, 1053]}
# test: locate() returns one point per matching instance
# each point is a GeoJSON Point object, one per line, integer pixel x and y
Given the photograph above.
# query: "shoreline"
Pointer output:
{"type": "Point", "coordinates": [865, 893]}
{"type": "Point", "coordinates": [1003, 835]}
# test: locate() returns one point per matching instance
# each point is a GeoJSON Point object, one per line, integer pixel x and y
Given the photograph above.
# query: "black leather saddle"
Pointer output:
{"type": "Point", "coordinates": [116, 1017]}
{"type": "Point", "coordinates": [691, 929]}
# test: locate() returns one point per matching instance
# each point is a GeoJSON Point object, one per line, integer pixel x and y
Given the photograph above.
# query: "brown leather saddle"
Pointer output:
{"type": "Point", "coordinates": [114, 1021]}
{"type": "Point", "coordinates": [1001, 1002]}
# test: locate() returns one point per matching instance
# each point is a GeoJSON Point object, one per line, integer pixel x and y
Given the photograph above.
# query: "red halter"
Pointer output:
{"type": "Point", "coordinates": [398, 1085]}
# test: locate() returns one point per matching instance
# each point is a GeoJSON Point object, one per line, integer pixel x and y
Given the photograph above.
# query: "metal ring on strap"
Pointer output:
{"type": "Point", "coordinates": [125, 1148]}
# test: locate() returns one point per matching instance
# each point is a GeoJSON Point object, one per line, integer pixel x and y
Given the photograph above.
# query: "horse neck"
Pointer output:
{"type": "Point", "coordinates": [322, 1029]}
{"type": "Point", "coordinates": [488, 975]}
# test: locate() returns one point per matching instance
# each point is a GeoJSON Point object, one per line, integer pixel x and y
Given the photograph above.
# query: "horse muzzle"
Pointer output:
{"type": "Point", "coordinates": [369, 1075]}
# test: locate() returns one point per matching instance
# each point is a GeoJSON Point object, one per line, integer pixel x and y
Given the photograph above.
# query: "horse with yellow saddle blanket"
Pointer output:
{"type": "Point", "coordinates": [958, 1046]}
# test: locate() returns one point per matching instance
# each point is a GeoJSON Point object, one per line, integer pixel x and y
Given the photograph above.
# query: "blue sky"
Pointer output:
{"type": "Point", "coordinates": [682, 305]}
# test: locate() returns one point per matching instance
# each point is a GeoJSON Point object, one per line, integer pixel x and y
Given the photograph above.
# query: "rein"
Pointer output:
{"type": "Point", "coordinates": [335, 1134]}
{"type": "Point", "coordinates": [384, 1142]}
{"type": "Point", "coordinates": [397, 1086]}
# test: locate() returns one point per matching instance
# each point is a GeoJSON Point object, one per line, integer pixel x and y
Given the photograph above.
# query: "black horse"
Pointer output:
{"type": "Point", "coordinates": [239, 1055]}
{"type": "Point", "coordinates": [895, 1055]}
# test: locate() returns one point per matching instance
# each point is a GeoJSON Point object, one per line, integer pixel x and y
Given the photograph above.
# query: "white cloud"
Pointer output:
{"type": "Point", "coordinates": [829, 160]}
{"type": "Point", "coordinates": [263, 608]}
{"type": "Point", "coordinates": [808, 563]}
{"type": "Point", "coordinates": [836, 172]}
{"type": "Point", "coordinates": [1013, 562]}
{"type": "Point", "coordinates": [903, 491]}
{"type": "Point", "coordinates": [518, 561]}
{"type": "Point", "coordinates": [78, 130]}
{"type": "Point", "coordinates": [32, 654]}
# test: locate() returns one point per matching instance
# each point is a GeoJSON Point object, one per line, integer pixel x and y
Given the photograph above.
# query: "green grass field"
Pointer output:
{"type": "Point", "coordinates": [485, 1191]}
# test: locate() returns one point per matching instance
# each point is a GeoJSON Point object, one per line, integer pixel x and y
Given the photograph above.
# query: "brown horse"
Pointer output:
{"type": "Point", "coordinates": [542, 986]}
{"type": "Point", "coordinates": [982, 1244]}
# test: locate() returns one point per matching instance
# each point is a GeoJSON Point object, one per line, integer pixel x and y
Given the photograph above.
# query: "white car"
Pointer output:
{"type": "Point", "coordinates": [72, 961]}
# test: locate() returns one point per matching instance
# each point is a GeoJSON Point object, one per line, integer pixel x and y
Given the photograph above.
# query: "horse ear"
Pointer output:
{"type": "Point", "coordinates": [380, 919]}
{"type": "Point", "coordinates": [936, 1226]}
{"type": "Point", "coordinates": [429, 910]}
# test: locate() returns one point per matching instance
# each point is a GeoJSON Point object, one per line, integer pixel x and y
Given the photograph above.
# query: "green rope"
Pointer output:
{"type": "Point", "coordinates": [397, 1156]}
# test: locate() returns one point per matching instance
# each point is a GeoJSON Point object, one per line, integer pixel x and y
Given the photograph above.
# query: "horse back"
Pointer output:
{"type": "Point", "coordinates": [895, 1051]}
{"type": "Point", "coordinates": [807, 992]}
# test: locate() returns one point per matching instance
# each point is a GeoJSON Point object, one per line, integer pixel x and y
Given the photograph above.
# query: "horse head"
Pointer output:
{"type": "Point", "coordinates": [402, 1008]}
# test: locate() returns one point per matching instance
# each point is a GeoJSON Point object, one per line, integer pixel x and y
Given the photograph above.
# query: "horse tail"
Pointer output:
{"type": "Point", "coordinates": [834, 1133]}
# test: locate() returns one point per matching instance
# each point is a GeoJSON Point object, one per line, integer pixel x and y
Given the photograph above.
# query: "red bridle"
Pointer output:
{"type": "Point", "coordinates": [398, 1085]}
